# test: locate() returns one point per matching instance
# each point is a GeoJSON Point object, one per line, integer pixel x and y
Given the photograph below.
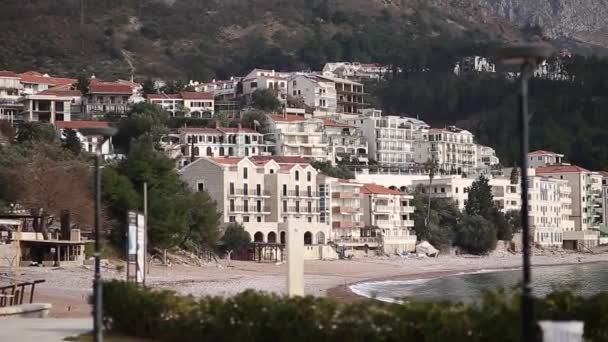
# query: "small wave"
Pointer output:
{"type": "Point", "coordinates": [374, 290]}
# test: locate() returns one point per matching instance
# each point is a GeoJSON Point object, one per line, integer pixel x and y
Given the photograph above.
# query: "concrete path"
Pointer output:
{"type": "Point", "coordinates": [43, 329]}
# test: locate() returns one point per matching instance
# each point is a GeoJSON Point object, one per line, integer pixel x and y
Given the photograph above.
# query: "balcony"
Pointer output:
{"type": "Point", "coordinates": [406, 209]}
{"type": "Point", "coordinates": [302, 210]}
{"type": "Point", "coordinates": [361, 241]}
{"type": "Point", "coordinates": [239, 209]}
{"type": "Point", "coordinates": [249, 193]}
{"type": "Point", "coordinates": [384, 223]}
{"type": "Point", "coordinates": [347, 224]}
{"type": "Point", "coordinates": [107, 107]}
{"type": "Point", "coordinates": [345, 210]}
{"type": "Point", "coordinates": [383, 208]}
{"type": "Point", "coordinates": [404, 223]}
{"type": "Point", "coordinates": [345, 195]}
{"type": "Point", "coordinates": [292, 193]}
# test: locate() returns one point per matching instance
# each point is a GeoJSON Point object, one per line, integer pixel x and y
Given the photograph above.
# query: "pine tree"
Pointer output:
{"type": "Point", "coordinates": [480, 199]}
{"type": "Point", "coordinates": [514, 175]}
{"type": "Point", "coordinates": [72, 142]}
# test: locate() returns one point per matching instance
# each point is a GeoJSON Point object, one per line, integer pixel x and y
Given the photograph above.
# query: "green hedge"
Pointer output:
{"type": "Point", "coordinates": [251, 316]}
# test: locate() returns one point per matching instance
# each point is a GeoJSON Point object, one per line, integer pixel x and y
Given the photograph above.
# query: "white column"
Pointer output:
{"type": "Point", "coordinates": [53, 114]}
{"type": "Point", "coordinates": [31, 109]}
{"type": "Point", "coordinates": [295, 261]}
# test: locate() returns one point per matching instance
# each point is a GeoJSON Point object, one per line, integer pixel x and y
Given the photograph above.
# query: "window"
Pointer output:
{"type": "Point", "coordinates": [258, 189]}
{"type": "Point", "coordinates": [259, 206]}
{"type": "Point", "coordinates": [284, 189]}
{"type": "Point", "coordinates": [309, 207]}
{"type": "Point", "coordinates": [200, 187]}
{"type": "Point", "coordinates": [232, 188]}
{"type": "Point", "coordinates": [245, 173]}
{"type": "Point", "coordinates": [309, 218]}
{"type": "Point", "coordinates": [297, 206]}
{"type": "Point", "coordinates": [309, 191]}
{"type": "Point", "coordinates": [258, 218]}
{"type": "Point", "coordinates": [309, 176]}
{"type": "Point", "coordinates": [254, 84]}
{"type": "Point", "coordinates": [297, 175]}
{"type": "Point", "coordinates": [245, 218]}
{"type": "Point", "coordinates": [456, 189]}
{"type": "Point", "coordinates": [231, 219]}
{"type": "Point", "coordinates": [442, 189]}
{"type": "Point", "coordinates": [231, 205]}
{"type": "Point", "coordinates": [297, 190]}
{"type": "Point", "coordinates": [246, 206]}
{"type": "Point", "coordinates": [284, 205]}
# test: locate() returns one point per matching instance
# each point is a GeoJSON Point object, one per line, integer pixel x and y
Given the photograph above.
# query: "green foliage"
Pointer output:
{"type": "Point", "coordinates": [36, 132]}
{"type": "Point", "coordinates": [480, 199]}
{"type": "Point", "coordinates": [476, 235]}
{"type": "Point", "coordinates": [255, 119]}
{"type": "Point", "coordinates": [265, 100]}
{"type": "Point", "coordinates": [148, 87]}
{"type": "Point", "coordinates": [250, 316]}
{"type": "Point", "coordinates": [235, 237]}
{"type": "Point", "coordinates": [119, 196]}
{"type": "Point", "coordinates": [338, 171]}
{"type": "Point", "coordinates": [513, 218]}
{"type": "Point", "coordinates": [145, 121]}
{"type": "Point", "coordinates": [504, 230]}
{"type": "Point", "coordinates": [440, 230]}
{"type": "Point", "coordinates": [83, 84]}
{"type": "Point", "coordinates": [72, 142]}
{"type": "Point", "coordinates": [173, 87]}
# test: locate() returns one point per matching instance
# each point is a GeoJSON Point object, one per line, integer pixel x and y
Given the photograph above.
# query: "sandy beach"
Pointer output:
{"type": "Point", "coordinates": [68, 288]}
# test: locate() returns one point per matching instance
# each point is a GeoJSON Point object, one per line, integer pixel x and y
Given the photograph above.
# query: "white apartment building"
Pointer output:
{"type": "Point", "coordinates": [452, 148]}
{"type": "Point", "coordinates": [486, 156]}
{"type": "Point", "coordinates": [189, 104]}
{"type": "Point", "coordinates": [50, 105]}
{"type": "Point", "coordinates": [265, 196]}
{"type": "Point", "coordinates": [10, 92]}
{"type": "Point", "coordinates": [388, 217]}
{"type": "Point", "coordinates": [391, 139]}
{"type": "Point", "coordinates": [108, 97]}
{"type": "Point", "coordinates": [604, 207]}
{"type": "Point", "coordinates": [542, 158]}
{"type": "Point", "coordinates": [474, 64]}
{"type": "Point", "coordinates": [294, 135]}
{"type": "Point", "coordinates": [190, 143]}
{"type": "Point", "coordinates": [340, 205]}
{"type": "Point", "coordinates": [586, 198]}
{"type": "Point", "coordinates": [266, 79]}
{"type": "Point", "coordinates": [356, 70]}
{"type": "Point", "coordinates": [221, 89]}
{"type": "Point", "coordinates": [349, 94]}
{"type": "Point", "coordinates": [89, 143]}
{"type": "Point", "coordinates": [317, 93]}
{"type": "Point", "coordinates": [345, 141]}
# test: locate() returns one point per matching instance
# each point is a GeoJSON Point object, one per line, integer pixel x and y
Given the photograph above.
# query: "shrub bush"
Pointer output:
{"type": "Point", "coordinates": [251, 316]}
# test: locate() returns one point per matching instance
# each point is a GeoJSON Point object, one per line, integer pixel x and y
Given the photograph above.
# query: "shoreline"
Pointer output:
{"type": "Point", "coordinates": [345, 294]}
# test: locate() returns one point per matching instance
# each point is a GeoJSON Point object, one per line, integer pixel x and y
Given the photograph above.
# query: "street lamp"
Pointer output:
{"type": "Point", "coordinates": [105, 133]}
{"type": "Point", "coordinates": [527, 57]}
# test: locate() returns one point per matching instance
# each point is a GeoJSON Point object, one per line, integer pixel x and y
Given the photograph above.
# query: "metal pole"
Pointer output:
{"type": "Point", "coordinates": [527, 300]}
{"type": "Point", "coordinates": [97, 286]}
{"type": "Point", "coordinates": [146, 269]}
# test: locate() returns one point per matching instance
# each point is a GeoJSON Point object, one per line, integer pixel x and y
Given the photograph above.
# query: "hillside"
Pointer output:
{"type": "Point", "coordinates": [214, 39]}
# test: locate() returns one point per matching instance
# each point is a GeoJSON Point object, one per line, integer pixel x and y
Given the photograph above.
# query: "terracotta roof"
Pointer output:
{"type": "Point", "coordinates": [60, 92]}
{"type": "Point", "coordinates": [6, 73]}
{"type": "Point", "coordinates": [226, 160]}
{"type": "Point", "coordinates": [280, 159]}
{"type": "Point", "coordinates": [129, 83]}
{"type": "Point", "coordinates": [541, 152]}
{"type": "Point", "coordinates": [35, 77]}
{"type": "Point", "coordinates": [190, 95]}
{"type": "Point", "coordinates": [333, 123]}
{"type": "Point", "coordinates": [378, 189]}
{"type": "Point", "coordinates": [560, 168]}
{"type": "Point", "coordinates": [80, 124]}
{"type": "Point", "coordinates": [163, 96]}
{"type": "Point", "coordinates": [110, 88]}
{"type": "Point", "coordinates": [288, 117]}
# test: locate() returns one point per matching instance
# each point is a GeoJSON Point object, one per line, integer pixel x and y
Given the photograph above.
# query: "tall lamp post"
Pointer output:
{"type": "Point", "coordinates": [104, 133]}
{"type": "Point", "coordinates": [527, 57]}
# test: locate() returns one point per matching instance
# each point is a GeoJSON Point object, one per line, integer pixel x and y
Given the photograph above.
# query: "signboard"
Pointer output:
{"type": "Point", "coordinates": [136, 247]}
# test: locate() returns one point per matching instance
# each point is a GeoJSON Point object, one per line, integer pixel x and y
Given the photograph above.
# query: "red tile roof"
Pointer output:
{"type": "Point", "coordinates": [6, 73]}
{"type": "Point", "coordinates": [378, 189]}
{"type": "Point", "coordinates": [60, 92]}
{"type": "Point", "coordinates": [542, 152]}
{"type": "Point", "coordinates": [226, 160]}
{"type": "Point", "coordinates": [280, 159]}
{"type": "Point", "coordinates": [560, 168]}
{"type": "Point", "coordinates": [109, 88]}
{"type": "Point", "coordinates": [80, 124]}
{"type": "Point", "coordinates": [191, 95]}
{"type": "Point", "coordinates": [288, 117]}
{"type": "Point", "coordinates": [333, 123]}
{"type": "Point", "coordinates": [38, 78]}
{"type": "Point", "coordinates": [163, 96]}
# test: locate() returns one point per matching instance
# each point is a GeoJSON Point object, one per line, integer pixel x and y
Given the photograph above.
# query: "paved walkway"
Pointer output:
{"type": "Point", "coordinates": [42, 329]}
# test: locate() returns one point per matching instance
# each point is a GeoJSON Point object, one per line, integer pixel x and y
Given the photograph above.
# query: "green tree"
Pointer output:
{"type": "Point", "coordinates": [504, 230]}
{"type": "Point", "coordinates": [72, 142]}
{"type": "Point", "coordinates": [513, 218]}
{"type": "Point", "coordinates": [148, 87]}
{"type": "Point", "coordinates": [476, 235]}
{"type": "Point", "coordinates": [480, 199]}
{"type": "Point", "coordinates": [514, 175]}
{"type": "Point", "coordinates": [205, 219]}
{"type": "Point", "coordinates": [7, 132]}
{"type": "Point", "coordinates": [266, 100]}
{"type": "Point", "coordinates": [438, 228]}
{"type": "Point", "coordinates": [143, 120]}
{"type": "Point", "coordinates": [339, 171]}
{"type": "Point", "coordinates": [173, 87]}
{"type": "Point", "coordinates": [235, 238]}
{"type": "Point", "coordinates": [119, 196]}
{"type": "Point", "coordinates": [36, 132]}
{"type": "Point", "coordinates": [83, 83]}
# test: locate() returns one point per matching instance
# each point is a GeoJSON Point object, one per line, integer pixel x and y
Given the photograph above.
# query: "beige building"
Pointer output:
{"type": "Point", "coordinates": [50, 105]}
{"type": "Point", "coordinates": [187, 103]}
{"type": "Point", "coordinates": [345, 141]}
{"type": "Point", "coordinates": [340, 203]}
{"type": "Point", "coordinates": [542, 158]}
{"type": "Point", "coordinates": [295, 135]}
{"type": "Point", "coordinates": [266, 195]}
{"type": "Point", "coordinates": [452, 148]}
{"type": "Point", "coordinates": [266, 79]}
{"type": "Point", "coordinates": [349, 94]}
{"type": "Point", "coordinates": [388, 219]}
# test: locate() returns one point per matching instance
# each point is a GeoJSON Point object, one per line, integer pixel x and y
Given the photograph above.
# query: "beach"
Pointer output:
{"type": "Point", "coordinates": [67, 289]}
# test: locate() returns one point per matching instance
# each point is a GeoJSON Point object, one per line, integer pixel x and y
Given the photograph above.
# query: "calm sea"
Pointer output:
{"type": "Point", "coordinates": [584, 279]}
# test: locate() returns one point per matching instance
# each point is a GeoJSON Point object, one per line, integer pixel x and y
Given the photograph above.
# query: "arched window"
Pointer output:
{"type": "Point", "coordinates": [209, 151]}
{"type": "Point", "coordinates": [195, 152]}
{"type": "Point", "coordinates": [258, 237]}
{"type": "Point", "coordinates": [272, 237]}
{"type": "Point", "coordinates": [221, 151]}
{"type": "Point", "coordinates": [246, 151]}
{"type": "Point", "coordinates": [230, 151]}
{"type": "Point", "coordinates": [283, 237]}
{"type": "Point", "coordinates": [308, 238]}
{"type": "Point", "coordinates": [297, 175]}
{"type": "Point", "coordinates": [320, 238]}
